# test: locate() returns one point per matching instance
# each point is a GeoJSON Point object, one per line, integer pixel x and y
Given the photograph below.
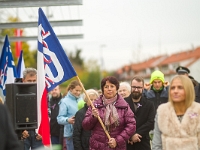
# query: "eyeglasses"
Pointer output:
{"type": "Point", "coordinates": [136, 87]}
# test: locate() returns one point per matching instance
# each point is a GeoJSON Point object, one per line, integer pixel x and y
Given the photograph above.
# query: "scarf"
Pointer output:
{"type": "Point", "coordinates": [111, 115]}
{"type": "Point", "coordinates": [158, 90]}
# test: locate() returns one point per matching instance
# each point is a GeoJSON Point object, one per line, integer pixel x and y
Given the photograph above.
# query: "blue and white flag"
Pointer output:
{"type": "Point", "coordinates": [54, 68]}
{"type": "Point", "coordinates": [7, 67]}
{"type": "Point", "coordinates": [20, 65]}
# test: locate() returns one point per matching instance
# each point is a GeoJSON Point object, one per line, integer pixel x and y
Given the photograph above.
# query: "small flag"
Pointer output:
{"type": "Point", "coordinates": [20, 65]}
{"type": "Point", "coordinates": [7, 67]}
{"type": "Point", "coordinates": [54, 68]}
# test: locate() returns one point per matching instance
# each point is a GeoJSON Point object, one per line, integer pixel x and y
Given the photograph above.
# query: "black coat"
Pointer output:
{"type": "Point", "coordinates": [8, 137]}
{"type": "Point", "coordinates": [54, 107]}
{"type": "Point", "coordinates": [144, 116]}
{"type": "Point", "coordinates": [81, 137]}
{"type": "Point", "coordinates": [197, 92]}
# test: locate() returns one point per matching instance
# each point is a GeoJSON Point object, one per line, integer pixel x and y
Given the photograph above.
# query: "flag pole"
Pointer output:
{"type": "Point", "coordinates": [100, 121]}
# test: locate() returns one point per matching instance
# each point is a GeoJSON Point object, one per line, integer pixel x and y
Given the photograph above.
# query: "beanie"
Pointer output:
{"type": "Point", "coordinates": [157, 75]}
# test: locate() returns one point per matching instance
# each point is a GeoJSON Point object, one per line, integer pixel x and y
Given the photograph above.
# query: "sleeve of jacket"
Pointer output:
{"type": "Point", "coordinates": [62, 115]}
{"type": "Point", "coordinates": [149, 125]}
{"type": "Point", "coordinates": [89, 121]}
{"type": "Point", "coordinates": [157, 142]}
{"type": "Point", "coordinates": [129, 129]}
{"type": "Point", "coordinates": [77, 131]}
{"type": "Point", "coordinates": [11, 137]}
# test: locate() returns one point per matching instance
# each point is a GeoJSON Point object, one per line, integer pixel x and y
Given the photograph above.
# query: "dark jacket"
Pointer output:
{"type": "Point", "coordinates": [81, 137]}
{"type": "Point", "coordinates": [144, 116]}
{"type": "Point", "coordinates": [8, 137]}
{"type": "Point", "coordinates": [121, 133]}
{"type": "Point", "coordinates": [197, 92]}
{"type": "Point", "coordinates": [157, 97]}
{"type": "Point", "coordinates": [54, 107]}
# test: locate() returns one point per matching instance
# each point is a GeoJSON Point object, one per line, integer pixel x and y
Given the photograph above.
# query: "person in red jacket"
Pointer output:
{"type": "Point", "coordinates": [115, 114]}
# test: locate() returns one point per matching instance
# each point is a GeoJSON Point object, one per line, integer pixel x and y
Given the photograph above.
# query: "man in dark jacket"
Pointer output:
{"type": "Point", "coordinates": [180, 70]}
{"type": "Point", "coordinates": [8, 137]}
{"type": "Point", "coordinates": [158, 92]}
{"type": "Point", "coordinates": [56, 135]}
{"type": "Point", "coordinates": [144, 114]}
{"type": "Point", "coordinates": [30, 138]}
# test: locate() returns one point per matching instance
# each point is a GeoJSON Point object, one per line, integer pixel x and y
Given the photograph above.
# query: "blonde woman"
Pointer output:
{"type": "Point", "coordinates": [177, 123]}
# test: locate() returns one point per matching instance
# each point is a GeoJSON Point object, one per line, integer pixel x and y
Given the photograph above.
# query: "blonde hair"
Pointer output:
{"type": "Point", "coordinates": [188, 87]}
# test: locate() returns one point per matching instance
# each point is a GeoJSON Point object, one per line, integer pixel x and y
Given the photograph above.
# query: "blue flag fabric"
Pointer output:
{"type": "Point", "coordinates": [7, 66]}
{"type": "Point", "coordinates": [58, 67]}
{"type": "Point", "coordinates": [54, 68]}
{"type": "Point", "coordinates": [20, 65]}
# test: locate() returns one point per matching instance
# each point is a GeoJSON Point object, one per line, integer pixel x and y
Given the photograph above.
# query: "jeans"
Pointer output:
{"type": "Point", "coordinates": [31, 141]}
{"type": "Point", "coordinates": [69, 143]}
{"type": "Point", "coordinates": [55, 140]}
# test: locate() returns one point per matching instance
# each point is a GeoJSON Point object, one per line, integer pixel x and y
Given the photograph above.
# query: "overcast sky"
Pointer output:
{"type": "Point", "coordinates": [128, 31]}
{"type": "Point", "coordinates": [133, 30]}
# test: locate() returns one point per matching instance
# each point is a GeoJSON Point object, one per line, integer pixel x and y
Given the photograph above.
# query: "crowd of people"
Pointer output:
{"type": "Point", "coordinates": [159, 115]}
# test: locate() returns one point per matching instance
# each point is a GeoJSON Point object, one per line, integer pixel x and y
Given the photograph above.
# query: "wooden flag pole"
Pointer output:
{"type": "Point", "coordinates": [100, 121]}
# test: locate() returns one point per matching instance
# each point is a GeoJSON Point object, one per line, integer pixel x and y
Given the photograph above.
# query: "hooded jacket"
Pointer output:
{"type": "Point", "coordinates": [121, 133]}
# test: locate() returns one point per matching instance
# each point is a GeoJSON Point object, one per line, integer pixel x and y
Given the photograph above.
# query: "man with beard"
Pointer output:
{"type": "Point", "coordinates": [144, 114]}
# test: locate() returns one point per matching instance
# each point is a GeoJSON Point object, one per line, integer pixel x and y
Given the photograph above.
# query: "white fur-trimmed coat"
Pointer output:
{"type": "Point", "coordinates": [176, 135]}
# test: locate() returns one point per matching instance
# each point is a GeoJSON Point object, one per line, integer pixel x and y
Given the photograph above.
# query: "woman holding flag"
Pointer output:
{"type": "Point", "coordinates": [116, 116]}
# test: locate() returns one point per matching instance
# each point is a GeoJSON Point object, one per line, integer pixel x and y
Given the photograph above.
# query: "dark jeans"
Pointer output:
{"type": "Point", "coordinates": [55, 140]}
{"type": "Point", "coordinates": [31, 141]}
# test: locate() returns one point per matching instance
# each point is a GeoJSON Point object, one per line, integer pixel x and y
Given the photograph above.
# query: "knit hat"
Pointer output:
{"type": "Point", "coordinates": [157, 75]}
